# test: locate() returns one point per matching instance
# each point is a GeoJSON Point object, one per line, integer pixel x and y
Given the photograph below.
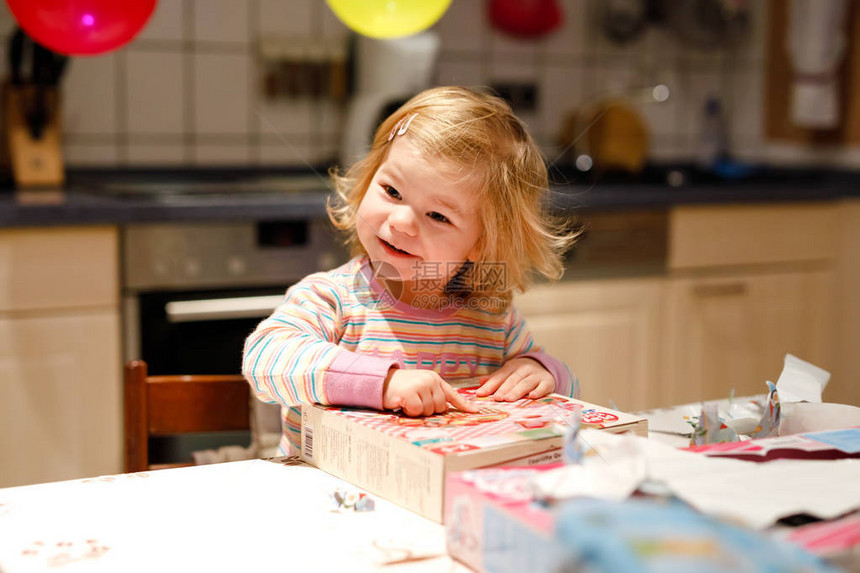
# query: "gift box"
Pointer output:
{"type": "Point", "coordinates": [406, 460]}
{"type": "Point", "coordinates": [494, 524]}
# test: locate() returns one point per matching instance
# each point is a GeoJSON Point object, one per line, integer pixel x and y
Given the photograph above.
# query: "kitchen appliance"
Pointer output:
{"type": "Point", "coordinates": [387, 73]}
{"type": "Point", "coordinates": [31, 114]}
{"type": "Point", "coordinates": [192, 292]}
{"type": "Point", "coordinates": [617, 137]}
{"type": "Point", "coordinates": [607, 133]}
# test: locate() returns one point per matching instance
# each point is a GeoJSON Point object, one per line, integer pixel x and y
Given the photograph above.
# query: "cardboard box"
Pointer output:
{"type": "Point", "coordinates": [493, 524]}
{"type": "Point", "coordinates": [406, 460]}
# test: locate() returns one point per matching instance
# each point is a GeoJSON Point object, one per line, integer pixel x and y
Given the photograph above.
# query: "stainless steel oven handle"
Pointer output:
{"type": "Point", "coordinates": [222, 308]}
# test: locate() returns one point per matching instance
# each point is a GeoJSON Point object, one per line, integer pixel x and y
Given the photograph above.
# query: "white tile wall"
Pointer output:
{"type": "Point", "coordinates": [90, 154]}
{"type": "Point", "coordinates": [280, 17]}
{"type": "Point", "coordinates": [560, 95]}
{"type": "Point", "coordinates": [744, 103]}
{"type": "Point", "coordinates": [90, 96]}
{"type": "Point", "coordinates": [458, 27]}
{"type": "Point", "coordinates": [166, 24]}
{"type": "Point", "coordinates": [186, 91]}
{"type": "Point", "coordinates": [286, 119]}
{"type": "Point", "coordinates": [504, 48]}
{"type": "Point", "coordinates": [325, 20]}
{"type": "Point", "coordinates": [331, 119]}
{"type": "Point", "coordinates": [569, 40]}
{"type": "Point", "coordinates": [141, 154]}
{"type": "Point", "coordinates": [221, 21]}
{"type": "Point", "coordinates": [460, 72]}
{"type": "Point", "coordinates": [222, 90]}
{"type": "Point", "coordinates": [222, 154]}
{"type": "Point", "coordinates": [662, 117]}
{"type": "Point", "coordinates": [290, 152]}
{"type": "Point", "coordinates": [154, 91]}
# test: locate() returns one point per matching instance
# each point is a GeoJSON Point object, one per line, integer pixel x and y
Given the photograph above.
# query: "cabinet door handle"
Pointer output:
{"type": "Point", "coordinates": [720, 289]}
{"type": "Point", "coordinates": [222, 308]}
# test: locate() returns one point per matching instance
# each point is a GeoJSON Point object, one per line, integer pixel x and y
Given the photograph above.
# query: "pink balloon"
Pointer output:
{"type": "Point", "coordinates": [82, 27]}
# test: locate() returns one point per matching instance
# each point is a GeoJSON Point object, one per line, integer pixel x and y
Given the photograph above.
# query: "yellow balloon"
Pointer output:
{"type": "Point", "coordinates": [388, 18]}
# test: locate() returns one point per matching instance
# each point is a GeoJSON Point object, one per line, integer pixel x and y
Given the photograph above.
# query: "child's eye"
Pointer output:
{"type": "Point", "coordinates": [436, 216]}
{"type": "Point", "coordinates": [392, 192]}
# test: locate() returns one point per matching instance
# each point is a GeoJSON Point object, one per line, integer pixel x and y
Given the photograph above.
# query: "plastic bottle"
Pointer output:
{"type": "Point", "coordinates": [713, 140]}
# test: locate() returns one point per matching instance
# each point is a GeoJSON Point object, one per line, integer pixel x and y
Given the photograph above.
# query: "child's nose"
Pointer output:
{"type": "Point", "coordinates": [402, 219]}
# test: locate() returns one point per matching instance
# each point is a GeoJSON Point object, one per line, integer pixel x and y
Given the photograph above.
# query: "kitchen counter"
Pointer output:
{"type": "Point", "coordinates": [159, 196]}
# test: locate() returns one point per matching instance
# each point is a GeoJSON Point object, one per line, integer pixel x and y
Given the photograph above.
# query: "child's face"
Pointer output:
{"type": "Point", "coordinates": [421, 206]}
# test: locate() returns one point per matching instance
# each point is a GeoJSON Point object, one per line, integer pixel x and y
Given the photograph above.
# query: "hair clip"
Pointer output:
{"type": "Point", "coordinates": [401, 126]}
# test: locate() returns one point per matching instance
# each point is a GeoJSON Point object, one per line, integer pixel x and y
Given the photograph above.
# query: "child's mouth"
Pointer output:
{"type": "Point", "coordinates": [391, 248]}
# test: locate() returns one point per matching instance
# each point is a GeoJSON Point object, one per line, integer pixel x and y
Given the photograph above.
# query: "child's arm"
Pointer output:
{"type": "Point", "coordinates": [528, 370]}
{"type": "Point", "coordinates": [292, 357]}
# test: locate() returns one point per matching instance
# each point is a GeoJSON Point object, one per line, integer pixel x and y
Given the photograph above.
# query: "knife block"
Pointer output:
{"type": "Point", "coordinates": [34, 162]}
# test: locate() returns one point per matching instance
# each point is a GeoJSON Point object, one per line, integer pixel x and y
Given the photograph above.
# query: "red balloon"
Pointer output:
{"type": "Point", "coordinates": [525, 18]}
{"type": "Point", "coordinates": [82, 27]}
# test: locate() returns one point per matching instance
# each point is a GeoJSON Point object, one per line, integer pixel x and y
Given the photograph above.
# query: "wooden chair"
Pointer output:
{"type": "Point", "coordinates": [170, 405]}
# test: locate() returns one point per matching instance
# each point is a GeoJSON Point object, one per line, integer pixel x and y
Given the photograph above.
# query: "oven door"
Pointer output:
{"type": "Point", "coordinates": [198, 332]}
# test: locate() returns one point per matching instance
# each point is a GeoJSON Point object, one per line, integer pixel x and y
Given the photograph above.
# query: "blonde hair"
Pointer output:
{"type": "Point", "coordinates": [479, 133]}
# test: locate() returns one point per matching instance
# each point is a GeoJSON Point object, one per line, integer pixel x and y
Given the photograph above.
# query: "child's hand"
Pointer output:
{"type": "Point", "coordinates": [420, 393]}
{"type": "Point", "coordinates": [517, 378]}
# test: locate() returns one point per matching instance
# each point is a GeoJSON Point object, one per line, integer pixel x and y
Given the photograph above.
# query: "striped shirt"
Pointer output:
{"type": "Point", "coordinates": [337, 333]}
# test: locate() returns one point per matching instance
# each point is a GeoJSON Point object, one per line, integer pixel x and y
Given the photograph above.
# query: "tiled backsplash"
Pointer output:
{"type": "Point", "coordinates": [188, 90]}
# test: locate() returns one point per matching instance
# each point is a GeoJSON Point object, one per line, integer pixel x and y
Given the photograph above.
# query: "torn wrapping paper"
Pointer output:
{"type": "Point", "coordinates": [830, 445]}
{"type": "Point", "coordinates": [801, 381]}
{"type": "Point", "coordinates": [756, 495]}
{"type": "Point", "coordinates": [769, 424]}
{"type": "Point", "coordinates": [671, 425]}
{"type": "Point", "coordinates": [344, 499]}
{"type": "Point", "coordinates": [728, 421]}
{"type": "Point", "coordinates": [610, 472]}
{"type": "Point", "coordinates": [710, 428]}
{"type": "Point", "coordinates": [834, 539]}
{"type": "Point", "coordinates": [799, 417]}
{"type": "Point", "coordinates": [571, 446]}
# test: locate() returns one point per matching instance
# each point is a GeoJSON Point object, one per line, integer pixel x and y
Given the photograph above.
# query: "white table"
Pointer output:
{"type": "Point", "coordinates": [252, 515]}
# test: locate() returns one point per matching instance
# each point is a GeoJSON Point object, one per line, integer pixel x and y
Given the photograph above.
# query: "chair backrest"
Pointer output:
{"type": "Point", "coordinates": [170, 405]}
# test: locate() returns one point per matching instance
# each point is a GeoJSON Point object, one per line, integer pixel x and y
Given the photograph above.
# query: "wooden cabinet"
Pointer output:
{"type": "Point", "coordinates": [744, 285]}
{"type": "Point", "coordinates": [845, 388]}
{"type": "Point", "coordinates": [731, 332]}
{"type": "Point", "coordinates": [606, 331]}
{"type": "Point", "coordinates": [747, 284]}
{"type": "Point", "coordinates": [60, 396]}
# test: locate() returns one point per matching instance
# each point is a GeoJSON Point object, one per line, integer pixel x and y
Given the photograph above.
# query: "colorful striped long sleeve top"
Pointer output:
{"type": "Point", "coordinates": [337, 333]}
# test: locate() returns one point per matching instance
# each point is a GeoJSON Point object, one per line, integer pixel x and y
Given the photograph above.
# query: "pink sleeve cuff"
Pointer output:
{"type": "Point", "coordinates": [565, 383]}
{"type": "Point", "coordinates": [356, 380]}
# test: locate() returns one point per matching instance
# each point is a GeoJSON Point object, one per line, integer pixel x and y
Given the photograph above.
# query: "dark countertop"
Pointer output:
{"type": "Point", "coordinates": [172, 196]}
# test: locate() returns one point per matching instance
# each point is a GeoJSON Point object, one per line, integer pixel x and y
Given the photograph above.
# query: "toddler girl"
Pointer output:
{"type": "Point", "coordinates": [445, 220]}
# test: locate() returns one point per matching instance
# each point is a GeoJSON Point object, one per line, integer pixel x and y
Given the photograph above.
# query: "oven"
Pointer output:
{"type": "Point", "coordinates": [192, 293]}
